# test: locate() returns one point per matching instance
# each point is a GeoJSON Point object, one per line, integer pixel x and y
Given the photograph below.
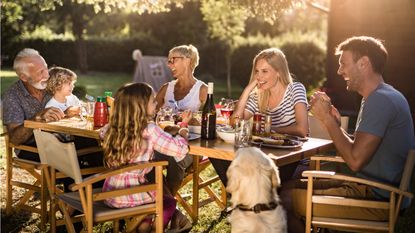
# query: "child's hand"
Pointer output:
{"type": "Point", "coordinates": [186, 116]}
{"type": "Point", "coordinates": [172, 129]}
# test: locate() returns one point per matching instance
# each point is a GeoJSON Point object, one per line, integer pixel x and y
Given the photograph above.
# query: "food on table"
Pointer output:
{"type": "Point", "coordinates": [194, 122]}
{"type": "Point", "coordinates": [276, 139]}
{"type": "Point", "coordinates": [267, 140]}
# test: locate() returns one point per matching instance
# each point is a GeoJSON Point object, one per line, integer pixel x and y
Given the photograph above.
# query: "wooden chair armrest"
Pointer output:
{"type": "Point", "coordinates": [88, 150]}
{"type": "Point", "coordinates": [319, 158]}
{"type": "Point", "coordinates": [337, 176]}
{"type": "Point", "coordinates": [93, 170]}
{"type": "Point", "coordinates": [111, 172]}
{"type": "Point", "coordinates": [26, 163]}
{"type": "Point", "coordinates": [24, 147]}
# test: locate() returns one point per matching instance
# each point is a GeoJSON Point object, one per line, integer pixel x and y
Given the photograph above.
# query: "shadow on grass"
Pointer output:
{"type": "Point", "coordinates": [23, 221]}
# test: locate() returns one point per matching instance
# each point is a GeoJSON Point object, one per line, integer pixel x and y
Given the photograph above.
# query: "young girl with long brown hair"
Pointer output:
{"type": "Point", "coordinates": [130, 137]}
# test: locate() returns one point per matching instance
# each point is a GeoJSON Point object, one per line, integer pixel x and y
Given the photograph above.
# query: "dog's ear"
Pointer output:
{"type": "Point", "coordinates": [275, 177]}
{"type": "Point", "coordinates": [233, 175]}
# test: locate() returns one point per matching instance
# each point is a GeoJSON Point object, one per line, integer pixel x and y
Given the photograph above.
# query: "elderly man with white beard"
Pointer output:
{"type": "Point", "coordinates": [26, 99]}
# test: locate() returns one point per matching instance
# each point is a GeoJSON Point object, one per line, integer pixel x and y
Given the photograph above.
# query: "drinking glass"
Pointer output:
{"type": "Point", "coordinates": [242, 133]}
{"type": "Point", "coordinates": [87, 112]}
{"type": "Point", "coordinates": [165, 117]}
{"type": "Point", "coordinates": [227, 109]}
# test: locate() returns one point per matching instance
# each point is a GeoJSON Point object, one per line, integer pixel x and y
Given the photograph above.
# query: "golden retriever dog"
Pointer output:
{"type": "Point", "coordinates": [253, 179]}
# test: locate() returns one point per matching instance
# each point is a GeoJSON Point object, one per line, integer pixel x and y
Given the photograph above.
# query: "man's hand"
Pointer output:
{"type": "Point", "coordinates": [320, 105]}
{"type": "Point", "coordinates": [50, 114]}
{"type": "Point", "coordinates": [72, 111]}
{"type": "Point", "coordinates": [322, 108]}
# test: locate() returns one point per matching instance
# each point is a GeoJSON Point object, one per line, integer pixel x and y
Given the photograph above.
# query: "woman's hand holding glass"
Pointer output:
{"type": "Point", "coordinates": [186, 116]}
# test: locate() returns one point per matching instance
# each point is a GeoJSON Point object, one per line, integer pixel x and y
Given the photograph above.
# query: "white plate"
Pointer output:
{"type": "Point", "coordinates": [299, 144]}
{"type": "Point", "coordinates": [193, 136]}
{"type": "Point", "coordinates": [195, 129]}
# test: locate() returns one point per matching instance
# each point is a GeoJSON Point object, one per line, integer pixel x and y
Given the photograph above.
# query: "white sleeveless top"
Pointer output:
{"type": "Point", "coordinates": [190, 102]}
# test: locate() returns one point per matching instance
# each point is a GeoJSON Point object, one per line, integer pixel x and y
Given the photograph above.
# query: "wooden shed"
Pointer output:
{"type": "Point", "coordinates": [391, 21]}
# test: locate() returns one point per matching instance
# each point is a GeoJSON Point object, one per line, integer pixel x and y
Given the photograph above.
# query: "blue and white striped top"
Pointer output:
{"type": "Point", "coordinates": [284, 114]}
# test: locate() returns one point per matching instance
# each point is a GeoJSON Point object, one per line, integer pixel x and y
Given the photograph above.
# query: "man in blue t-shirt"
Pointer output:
{"type": "Point", "coordinates": [384, 133]}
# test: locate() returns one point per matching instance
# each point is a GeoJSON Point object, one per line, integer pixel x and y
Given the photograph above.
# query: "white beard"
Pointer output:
{"type": "Point", "coordinates": [39, 85]}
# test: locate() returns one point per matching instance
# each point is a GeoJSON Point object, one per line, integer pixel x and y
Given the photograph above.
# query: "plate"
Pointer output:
{"type": "Point", "coordinates": [193, 136]}
{"type": "Point", "coordinates": [196, 129]}
{"type": "Point", "coordinates": [296, 144]}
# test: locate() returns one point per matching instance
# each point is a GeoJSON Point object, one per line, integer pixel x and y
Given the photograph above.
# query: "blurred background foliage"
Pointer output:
{"type": "Point", "coordinates": [78, 36]}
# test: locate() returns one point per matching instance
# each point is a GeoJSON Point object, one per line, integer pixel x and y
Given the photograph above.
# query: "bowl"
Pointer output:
{"type": "Point", "coordinates": [226, 135]}
{"type": "Point", "coordinates": [195, 129]}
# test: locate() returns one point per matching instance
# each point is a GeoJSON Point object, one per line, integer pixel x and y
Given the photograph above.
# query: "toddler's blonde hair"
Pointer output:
{"type": "Point", "coordinates": [59, 76]}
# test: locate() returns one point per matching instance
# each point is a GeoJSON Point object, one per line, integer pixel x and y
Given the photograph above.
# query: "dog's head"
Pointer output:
{"type": "Point", "coordinates": [252, 177]}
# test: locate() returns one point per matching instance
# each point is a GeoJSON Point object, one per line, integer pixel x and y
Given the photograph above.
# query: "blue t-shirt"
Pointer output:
{"type": "Point", "coordinates": [386, 114]}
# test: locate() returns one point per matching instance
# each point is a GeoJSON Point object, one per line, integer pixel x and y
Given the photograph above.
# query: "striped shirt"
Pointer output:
{"type": "Point", "coordinates": [154, 138]}
{"type": "Point", "coordinates": [284, 114]}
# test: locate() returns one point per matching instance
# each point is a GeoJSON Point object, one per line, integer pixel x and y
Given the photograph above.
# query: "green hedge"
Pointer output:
{"type": "Point", "coordinates": [103, 55]}
{"type": "Point", "coordinates": [305, 59]}
{"type": "Point", "coordinates": [307, 62]}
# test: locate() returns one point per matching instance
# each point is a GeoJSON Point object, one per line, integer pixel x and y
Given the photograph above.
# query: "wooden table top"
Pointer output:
{"type": "Point", "coordinates": [210, 148]}
{"type": "Point", "coordinates": [222, 150]}
{"type": "Point", "coordinates": [73, 126]}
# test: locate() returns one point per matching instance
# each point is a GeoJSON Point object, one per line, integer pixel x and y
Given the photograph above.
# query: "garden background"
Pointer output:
{"type": "Point", "coordinates": [96, 39]}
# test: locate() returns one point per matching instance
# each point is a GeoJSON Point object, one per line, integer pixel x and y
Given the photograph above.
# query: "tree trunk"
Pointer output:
{"type": "Point", "coordinates": [228, 72]}
{"type": "Point", "coordinates": [78, 26]}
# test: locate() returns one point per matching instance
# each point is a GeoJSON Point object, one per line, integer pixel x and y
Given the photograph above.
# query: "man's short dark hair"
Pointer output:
{"type": "Point", "coordinates": [366, 46]}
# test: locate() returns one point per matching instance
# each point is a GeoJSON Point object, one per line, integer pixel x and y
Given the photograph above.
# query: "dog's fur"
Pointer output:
{"type": "Point", "coordinates": [253, 178]}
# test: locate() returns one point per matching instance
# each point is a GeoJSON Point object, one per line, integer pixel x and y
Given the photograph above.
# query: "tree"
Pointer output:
{"type": "Point", "coordinates": [231, 14]}
{"type": "Point", "coordinates": [226, 23]}
{"type": "Point", "coordinates": [78, 14]}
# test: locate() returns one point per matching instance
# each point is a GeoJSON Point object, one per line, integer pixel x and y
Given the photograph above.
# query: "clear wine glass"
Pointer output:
{"type": "Point", "coordinates": [227, 110]}
{"type": "Point", "coordinates": [164, 117]}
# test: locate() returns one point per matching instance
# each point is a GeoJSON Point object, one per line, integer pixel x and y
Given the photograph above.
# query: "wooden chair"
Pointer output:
{"type": "Point", "coordinates": [318, 130]}
{"type": "Point", "coordinates": [194, 174]}
{"type": "Point", "coordinates": [34, 169]}
{"type": "Point", "coordinates": [62, 157]}
{"type": "Point", "coordinates": [356, 225]}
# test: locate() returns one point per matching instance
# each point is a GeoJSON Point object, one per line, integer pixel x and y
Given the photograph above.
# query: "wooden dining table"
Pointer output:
{"type": "Point", "coordinates": [198, 148]}
{"type": "Point", "coordinates": [210, 148]}
{"type": "Point", "coordinates": [282, 156]}
{"type": "Point", "coordinates": [72, 126]}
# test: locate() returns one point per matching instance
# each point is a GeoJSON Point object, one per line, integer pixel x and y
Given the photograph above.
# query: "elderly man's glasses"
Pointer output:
{"type": "Point", "coordinates": [172, 60]}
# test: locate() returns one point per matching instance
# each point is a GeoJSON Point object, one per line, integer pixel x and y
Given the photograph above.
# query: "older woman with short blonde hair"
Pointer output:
{"type": "Point", "coordinates": [185, 92]}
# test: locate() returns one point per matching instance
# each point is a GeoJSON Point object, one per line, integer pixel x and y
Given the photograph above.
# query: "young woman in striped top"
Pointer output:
{"type": "Point", "coordinates": [272, 91]}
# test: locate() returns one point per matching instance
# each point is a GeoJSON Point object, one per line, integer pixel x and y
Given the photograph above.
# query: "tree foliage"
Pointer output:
{"type": "Point", "coordinates": [231, 22]}
{"type": "Point", "coordinates": [270, 10]}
